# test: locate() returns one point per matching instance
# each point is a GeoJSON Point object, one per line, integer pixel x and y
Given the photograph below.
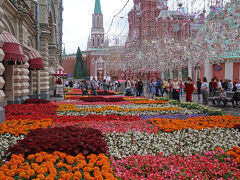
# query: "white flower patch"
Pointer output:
{"type": "Point", "coordinates": [184, 142]}
{"type": "Point", "coordinates": [7, 140]}
{"type": "Point", "coordinates": [129, 106]}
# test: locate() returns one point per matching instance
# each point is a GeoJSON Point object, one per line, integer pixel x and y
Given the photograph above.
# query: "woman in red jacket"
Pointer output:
{"type": "Point", "coordinates": [189, 89]}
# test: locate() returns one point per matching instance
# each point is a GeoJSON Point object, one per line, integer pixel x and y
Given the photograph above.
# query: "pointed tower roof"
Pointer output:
{"type": "Point", "coordinates": [97, 9]}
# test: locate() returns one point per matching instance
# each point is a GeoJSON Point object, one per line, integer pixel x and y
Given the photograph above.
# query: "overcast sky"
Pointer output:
{"type": "Point", "coordinates": [77, 20]}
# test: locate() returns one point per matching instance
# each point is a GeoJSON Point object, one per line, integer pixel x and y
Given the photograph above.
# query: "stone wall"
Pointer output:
{"type": "Point", "coordinates": [2, 95]}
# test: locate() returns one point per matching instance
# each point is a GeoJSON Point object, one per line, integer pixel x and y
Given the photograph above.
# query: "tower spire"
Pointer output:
{"type": "Point", "coordinates": [97, 9]}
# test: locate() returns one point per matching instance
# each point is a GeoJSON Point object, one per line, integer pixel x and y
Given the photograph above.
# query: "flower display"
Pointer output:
{"type": "Point", "coordinates": [184, 142]}
{"type": "Point", "coordinates": [234, 153]}
{"type": "Point", "coordinates": [192, 105]}
{"type": "Point", "coordinates": [171, 116]}
{"type": "Point", "coordinates": [70, 109]}
{"type": "Point", "coordinates": [211, 165]}
{"type": "Point", "coordinates": [198, 123]}
{"type": "Point", "coordinates": [36, 101]}
{"type": "Point", "coordinates": [7, 140]}
{"type": "Point", "coordinates": [30, 109]}
{"type": "Point", "coordinates": [111, 126]}
{"type": "Point", "coordinates": [70, 140]}
{"type": "Point", "coordinates": [18, 127]}
{"type": "Point", "coordinates": [117, 137]}
{"type": "Point", "coordinates": [57, 165]}
{"type": "Point", "coordinates": [145, 101]}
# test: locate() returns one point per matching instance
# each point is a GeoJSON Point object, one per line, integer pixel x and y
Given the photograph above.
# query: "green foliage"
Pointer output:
{"type": "Point", "coordinates": [80, 69]}
{"type": "Point", "coordinates": [191, 105]}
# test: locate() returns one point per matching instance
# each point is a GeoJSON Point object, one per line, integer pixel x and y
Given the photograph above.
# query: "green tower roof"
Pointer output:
{"type": "Point", "coordinates": [97, 9]}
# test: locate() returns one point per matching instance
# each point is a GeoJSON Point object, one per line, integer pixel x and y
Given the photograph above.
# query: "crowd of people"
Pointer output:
{"type": "Point", "coordinates": [172, 88]}
{"type": "Point", "coordinates": [94, 85]}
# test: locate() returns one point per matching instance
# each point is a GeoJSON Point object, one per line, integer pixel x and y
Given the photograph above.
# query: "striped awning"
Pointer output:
{"type": "Point", "coordinates": [12, 49]}
{"type": "Point", "coordinates": [60, 73]}
{"type": "Point", "coordinates": [35, 60]}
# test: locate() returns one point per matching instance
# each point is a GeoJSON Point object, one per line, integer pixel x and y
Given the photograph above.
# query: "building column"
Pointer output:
{"type": "Point", "coordinates": [44, 74]}
{"type": "Point", "coordinates": [208, 70]}
{"type": "Point", "coordinates": [229, 71]}
{"type": "Point", "coordinates": [2, 81]}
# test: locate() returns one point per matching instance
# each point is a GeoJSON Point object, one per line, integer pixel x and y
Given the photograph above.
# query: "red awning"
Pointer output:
{"type": "Point", "coordinates": [60, 73]}
{"type": "Point", "coordinates": [12, 49]}
{"type": "Point", "coordinates": [35, 60]}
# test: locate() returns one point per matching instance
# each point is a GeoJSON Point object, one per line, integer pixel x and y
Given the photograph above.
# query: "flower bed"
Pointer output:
{"type": "Point", "coordinates": [171, 116]}
{"type": "Point", "coordinates": [184, 142]}
{"type": "Point", "coordinates": [111, 126]}
{"type": "Point", "coordinates": [30, 109]}
{"type": "Point", "coordinates": [101, 99]}
{"type": "Point", "coordinates": [57, 165]}
{"type": "Point", "coordinates": [19, 127]}
{"type": "Point", "coordinates": [70, 140]}
{"type": "Point", "coordinates": [145, 139]}
{"type": "Point", "coordinates": [191, 105]}
{"type": "Point", "coordinates": [213, 165]}
{"type": "Point", "coordinates": [145, 101]}
{"type": "Point", "coordinates": [36, 101]}
{"type": "Point", "coordinates": [198, 123]}
{"type": "Point", "coordinates": [234, 153]}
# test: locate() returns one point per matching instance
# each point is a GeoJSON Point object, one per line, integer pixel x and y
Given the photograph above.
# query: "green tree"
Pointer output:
{"type": "Point", "coordinates": [78, 68]}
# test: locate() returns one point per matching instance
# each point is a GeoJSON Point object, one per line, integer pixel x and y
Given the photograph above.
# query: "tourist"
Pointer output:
{"type": "Point", "coordinates": [164, 87]}
{"type": "Point", "coordinates": [181, 88]}
{"type": "Point", "coordinates": [159, 87]}
{"type": "Point", "coordinates": [71, 84]}
{"type": "Point", "coordinates": [136, 87]}
{"type": "Point", "coordinates": [236, 96]}
{"type": "Point", "coordinates": [94, 86]}
{"type": "Point", "coordinates": [205, 90]}
{"type": "Point", "coordinates": [150, 86]}
{"type": "Point", "coordinates": [222, 97]}
{"type": "Point", "coordinates": [176, 90]}
{"type": "Point", "coordinates": [104, 86]}
{"type": "Point", "coordinates": [230, 85]}
{"type": "Point", "coordinates": [189, 89]}
{"type": "Point", "coordinates": [59, 81]}
{"type": "Point", "coordinates": [84, 88]}
{"type": "Point", "coordinates": [219, 83]}
{"type": "Point", "coordinates": [169, 88]}
{"type": "Point", "coordinates": [140, 87]}
{"type": "Point", "coordinates": [199, 92]}
{"type": "Point", "coordinates": [154, 85]}
{"type": "Point", "coordinates": [215, 86]}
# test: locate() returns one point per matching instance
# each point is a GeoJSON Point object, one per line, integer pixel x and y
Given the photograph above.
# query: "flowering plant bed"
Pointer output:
{"type": "Point", "coordinates": [19, 127]}
{"type": "Point", "coordinates": [57, 165]}
{"type": "Point", "coordinates": [197, 123]}
{"type": "Point", "coordinates": [212, 165]}
{"type": "Point", "coordinates": [70, 140]}
{"type": "Point", "coordinates": [144, 139]}
{"type": "Point", "coordinates": [111, 126]}
{"type": "Point", "coordinates": [36, 101]}
{"type": "Point", "coordinates": [30, 109]}
{"type": "Point", "coordinates": [101, 99]}
{"type": "Point", "coordinates": [191, 105]}
{"type": "Point", "coordinates": [145, 101]}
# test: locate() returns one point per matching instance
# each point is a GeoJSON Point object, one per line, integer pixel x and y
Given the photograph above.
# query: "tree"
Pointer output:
{"type": "Point", "coordinates": [80, 70]}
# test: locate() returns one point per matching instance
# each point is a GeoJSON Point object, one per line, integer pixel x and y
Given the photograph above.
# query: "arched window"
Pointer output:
{"type": "Point", "coordinates": [93, 42]}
